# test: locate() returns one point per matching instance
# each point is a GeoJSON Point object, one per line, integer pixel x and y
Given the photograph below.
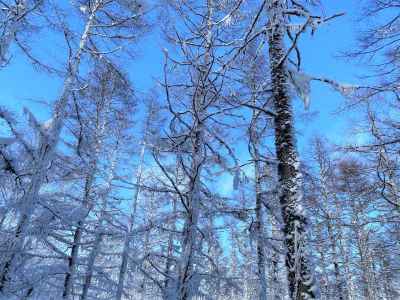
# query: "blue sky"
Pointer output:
{"type": "Point", "coordinates": [22, 84]}
{"type": "Point", "coordinates": [321, 58]}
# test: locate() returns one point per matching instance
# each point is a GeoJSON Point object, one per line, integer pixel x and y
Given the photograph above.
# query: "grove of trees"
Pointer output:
{"type": "Point", "coordinates": [193, 186]}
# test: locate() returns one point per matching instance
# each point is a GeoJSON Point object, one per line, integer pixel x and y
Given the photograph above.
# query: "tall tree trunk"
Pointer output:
{"type": "Point", "coordinates": [146, 248]}
{"type": "Point", "coordinates": [44, 154]}
{"type": "Point", "coordinates": [168, 289]}
{"type": "Point", "coordinates": [189, 248]}
{"type": "Point", "coordinates": [261, 259]}
{"type": "Point", "coordinates": [186, 262]}
{"type": "Point", "coordinates": [99, 233]}
{"type": "Point", "coordinates": [300, 277]}
{"type": "Point", "coordinates": [132, 219]}
{"type": "Point", "coordinates": [254, 140]}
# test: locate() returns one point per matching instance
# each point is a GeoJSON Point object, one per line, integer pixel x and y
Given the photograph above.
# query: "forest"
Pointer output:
{"type": "Point", "coordinates": [199, 149]}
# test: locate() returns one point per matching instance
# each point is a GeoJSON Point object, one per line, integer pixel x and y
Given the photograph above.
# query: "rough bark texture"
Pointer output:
{"type": "Point", "coordinates": [301, 283]}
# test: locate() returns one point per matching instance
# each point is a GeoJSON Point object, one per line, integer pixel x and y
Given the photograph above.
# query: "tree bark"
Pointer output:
{"type": "Point", "coordinates": [300, 277]}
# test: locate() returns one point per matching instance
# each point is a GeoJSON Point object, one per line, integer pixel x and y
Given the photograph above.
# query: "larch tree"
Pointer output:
{"type": "Point", "coordinates": [194, 188]}
{"type": "Point", "coordinates": [99, 25]}
{"type": "Point", "coordinates": [300, 273]}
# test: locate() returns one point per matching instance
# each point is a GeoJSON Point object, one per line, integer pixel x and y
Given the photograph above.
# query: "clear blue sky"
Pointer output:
{"type": "Point", "coordinates": [321, 58]}
{"type": "Point", "coordinates": [21, 83]}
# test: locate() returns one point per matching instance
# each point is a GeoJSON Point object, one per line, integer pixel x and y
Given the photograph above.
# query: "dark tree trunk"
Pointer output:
{"type": "Point", "coordinates": [72, 262]}
{"type": "Point", "coordinates": [301, 282]}
{"type": "Point", "coordinates": [73, 258]}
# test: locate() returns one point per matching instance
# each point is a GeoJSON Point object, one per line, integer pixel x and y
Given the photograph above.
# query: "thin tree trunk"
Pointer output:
{"type": "Point", "coordinates": [168, 290]}
{"type": "Point", "coordinates": [128, 236]}
{"type": "Point", "coordinates": [99, 234]}
{"type": "Point", "coordinates": [300, 277]}
{"type": "Point", "coordinates": [325, 291]}
{"type": "Point", "coordinates": [261, 261]}
{"type": "Point", "coordinates": [132, 219]}
{"type": "Point", "coordinates": [338, 277]}
{"type": "Point", "coordinates": [73, 258]}
{"type": "Point", "coordinates": [327, 197]}
{"type": "Point", "coordinates": [144, 284]}
{"type": "Point", "coordinates": [91, 261]}
{"type": "Point", "coordinates": [339, 293]}
{"type": "Point", "coordinates": [276, 288]}
{"type": "Point", "coordinates": [87, 203]}
{"type": "Point", "coordinates": [345, 250]}
{"type": "Point", "coordinates": [255, 149]}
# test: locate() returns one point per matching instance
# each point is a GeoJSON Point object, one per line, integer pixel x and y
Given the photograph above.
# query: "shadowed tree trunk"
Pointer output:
{"type": "Point", "coordinates": [301, 282]}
